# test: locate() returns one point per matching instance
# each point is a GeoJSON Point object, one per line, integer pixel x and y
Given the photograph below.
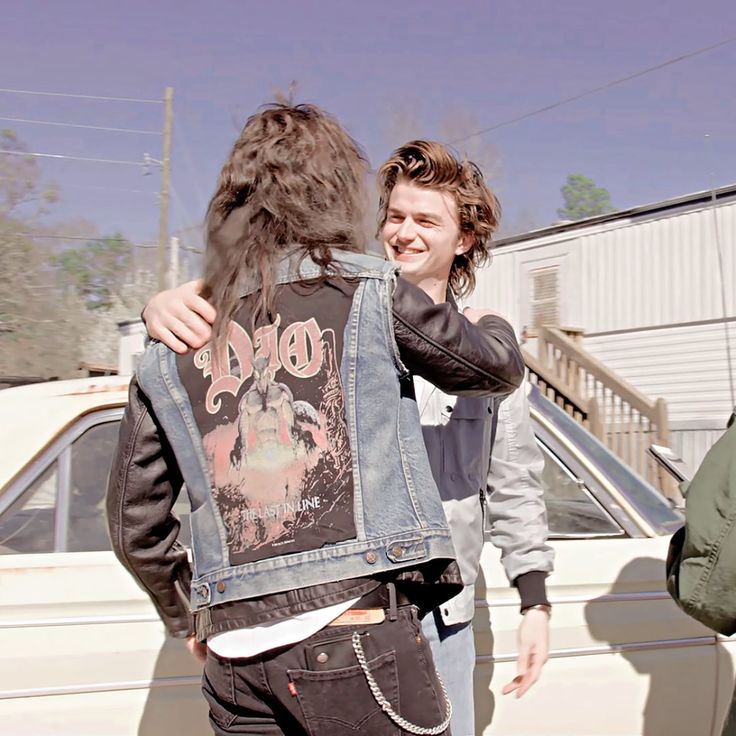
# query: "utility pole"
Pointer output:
{"type": "Point", "coordinates": [163, 233]}
{"type": "Point", "coordinates": [173, 263]}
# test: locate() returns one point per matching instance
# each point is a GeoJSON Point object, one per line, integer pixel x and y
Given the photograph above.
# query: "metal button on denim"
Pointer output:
{"type": "Point", "coordinates": [371, 558]}
{"type": "Point", "coordinates": [397, 551]}
{"type": "Point", "coordinates": [322, 657]}
{"type": "Point", "coordinates": [220, 587]}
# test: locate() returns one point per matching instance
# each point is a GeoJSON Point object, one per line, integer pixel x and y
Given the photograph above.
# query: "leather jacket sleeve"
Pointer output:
{"type": "Point", "coordinates": [141, 493]}
{"type": "Point", "coordinates": [442, 346]}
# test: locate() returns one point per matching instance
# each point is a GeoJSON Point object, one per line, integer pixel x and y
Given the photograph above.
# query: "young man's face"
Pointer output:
{"type": "Point", "coordinates": [422, 234]}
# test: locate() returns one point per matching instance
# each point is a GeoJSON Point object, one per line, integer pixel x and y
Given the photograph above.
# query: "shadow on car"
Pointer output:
{"type": "Point", "coordinates": [485, 700]}
{"type": "Point", "coordinates": [667, 686]}
{"type": "Point", "coordinates": [175, 704]}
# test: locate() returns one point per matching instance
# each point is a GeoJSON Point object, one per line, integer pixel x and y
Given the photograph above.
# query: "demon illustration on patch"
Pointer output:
{"type": "Point", "coordinates": [275, 436]}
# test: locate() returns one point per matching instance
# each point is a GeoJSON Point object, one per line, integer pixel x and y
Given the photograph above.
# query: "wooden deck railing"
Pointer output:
{"type": "Point", "coordinates": [619, 415]}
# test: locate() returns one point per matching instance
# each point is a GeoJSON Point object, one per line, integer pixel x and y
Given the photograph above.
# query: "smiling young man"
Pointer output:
{"type": "Point", "coordinates": [436, 218]}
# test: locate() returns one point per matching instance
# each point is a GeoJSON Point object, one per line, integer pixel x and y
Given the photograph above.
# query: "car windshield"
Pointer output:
{"type": "Point", "coordinates": [646, 499]}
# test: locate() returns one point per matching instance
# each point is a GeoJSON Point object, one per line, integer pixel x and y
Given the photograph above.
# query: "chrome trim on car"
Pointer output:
{"type": "Point", "coordinates": [102, 687]}
{"type": "Point", "coordinates": [61, 520]}
{"type": "Point", "coordinates": [607, 649]}
{"type": "Point", "coordinates": [79, 621]}
{"type": "Point", "coordinates": [479, 603]}
{"type": "Point", "coordinates": [561, 600]}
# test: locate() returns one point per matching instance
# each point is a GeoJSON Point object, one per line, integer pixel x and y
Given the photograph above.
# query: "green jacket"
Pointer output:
{"type": "Point", "coordinates": [701, 563]}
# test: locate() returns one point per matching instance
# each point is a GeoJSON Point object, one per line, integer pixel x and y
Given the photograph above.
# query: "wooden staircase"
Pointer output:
{"type": "Point", "coordinates": [620, 416]}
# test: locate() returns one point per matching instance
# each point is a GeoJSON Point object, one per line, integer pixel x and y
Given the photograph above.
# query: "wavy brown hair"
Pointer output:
{"type": "Point", "coordinates": [432, 165]}
{"type": "Point", "coordinates": [294, 179]}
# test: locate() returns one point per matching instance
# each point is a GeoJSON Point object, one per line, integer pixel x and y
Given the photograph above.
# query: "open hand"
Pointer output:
{"type": "Point", "coordinates": [180, 318]}
{"type": "Point", "coordinates": [533, 638]}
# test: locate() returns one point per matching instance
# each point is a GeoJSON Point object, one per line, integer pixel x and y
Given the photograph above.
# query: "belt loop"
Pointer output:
{"type": "Point", "coordinates": [393, 613]}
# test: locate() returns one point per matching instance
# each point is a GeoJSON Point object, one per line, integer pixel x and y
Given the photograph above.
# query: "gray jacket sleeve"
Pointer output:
{"type": "Point", "coordinates": [517, 516]}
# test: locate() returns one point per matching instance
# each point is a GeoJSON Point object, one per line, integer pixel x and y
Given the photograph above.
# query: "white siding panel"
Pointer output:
{"type": "Point", "coordinates": [692, 445]}
{"type": "Point", "coordinates": [498, 287]}
{"type": "Point", "coordinates": [686, 366]}
{"type": "Point", "coordinates": [657, 270]}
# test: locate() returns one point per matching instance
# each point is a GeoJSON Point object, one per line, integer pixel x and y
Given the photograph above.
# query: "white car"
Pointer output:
{"type": "Point", "coordinates": [84, 653]}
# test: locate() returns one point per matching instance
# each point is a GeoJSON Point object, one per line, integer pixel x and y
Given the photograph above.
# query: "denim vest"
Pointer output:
{"type": "Point", "coordinates": [397, 512]}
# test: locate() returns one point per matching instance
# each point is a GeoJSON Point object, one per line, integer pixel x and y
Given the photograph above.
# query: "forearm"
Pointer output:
{"type": "Point", "coordinates": [142, 490]}
{"type": "Point", "coordinates": [442, 346]}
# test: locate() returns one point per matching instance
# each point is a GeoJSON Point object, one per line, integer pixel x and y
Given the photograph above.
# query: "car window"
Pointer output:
{"type": "Point", "coordinates": [63, 509]}
{"type": "Point", "coordinates": [651, 504]}
{"type": "Point", "coordinates": [28, 525]}
{"type": "Point", "coordinates": [572, 511]}
{"type": "Point", "coordinates": [91, 456]}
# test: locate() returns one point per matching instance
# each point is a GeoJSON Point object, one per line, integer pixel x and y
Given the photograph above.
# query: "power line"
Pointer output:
{"type": "Point", "coordinates": [89, 239]}
{"type": "Point", "coordinates": [82, 186]}
{"type": "Point", "coordinates": [600, 88]}
{"type": "Point", "coordinates": [80, 97]}
{"type": "Point", "coordinates": [85, 127]}
{"type": "Point", "coordinates": [112, 189]}
{"type": "Point", "coordinates": [72, 158]}
{"type": "Point", "coordinates": [188, 248]}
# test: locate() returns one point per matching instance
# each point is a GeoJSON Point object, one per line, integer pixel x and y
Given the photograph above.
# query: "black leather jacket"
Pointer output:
{"type": "Point", "coordinates": [435, 342]}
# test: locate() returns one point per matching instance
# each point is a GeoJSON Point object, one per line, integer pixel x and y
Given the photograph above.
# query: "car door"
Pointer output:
{"type": "Point", "coordinates": [620, 649]}
{"type": "Point", "coordinates": [83, 649]}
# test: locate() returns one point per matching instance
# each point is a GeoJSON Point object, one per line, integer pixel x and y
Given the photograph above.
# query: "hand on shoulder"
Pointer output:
{"type": "Point", "coordinates": [180, 318]}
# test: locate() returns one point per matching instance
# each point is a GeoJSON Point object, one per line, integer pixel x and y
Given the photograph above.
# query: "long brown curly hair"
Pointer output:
{"type": "Point", "coordinates": [432, 165]}
{"type": "Point", "coordinates": [294, 179]}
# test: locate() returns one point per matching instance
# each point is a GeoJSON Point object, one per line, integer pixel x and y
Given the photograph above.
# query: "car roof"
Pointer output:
{"type": "Point", "coordinates": [32, 416]}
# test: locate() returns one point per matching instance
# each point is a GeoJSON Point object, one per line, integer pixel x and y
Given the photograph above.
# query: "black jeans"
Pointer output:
{"type": "Point", "coordinates": [318, 688]}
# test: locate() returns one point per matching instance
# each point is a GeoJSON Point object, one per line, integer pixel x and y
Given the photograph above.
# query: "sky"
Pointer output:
{"type": "Point", "coordinates": [389, 71]}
